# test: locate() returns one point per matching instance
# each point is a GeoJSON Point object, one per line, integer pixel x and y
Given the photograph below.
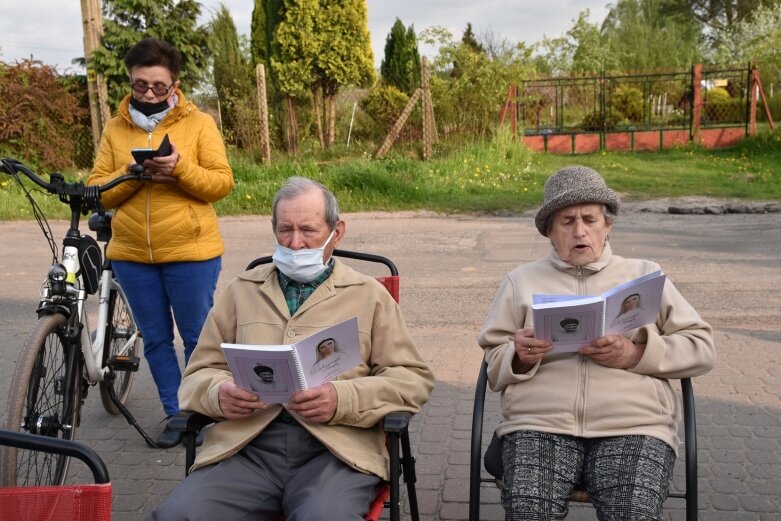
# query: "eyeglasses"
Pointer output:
{"type": "Point", "coordinates": [140, 87]}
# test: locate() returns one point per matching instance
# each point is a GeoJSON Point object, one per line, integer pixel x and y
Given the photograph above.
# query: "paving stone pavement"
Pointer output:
{"type": "Point", "coordinates": [728, 266]}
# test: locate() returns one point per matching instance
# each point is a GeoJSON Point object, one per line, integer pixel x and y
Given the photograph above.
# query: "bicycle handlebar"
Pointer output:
{"type": "Point", "coordinates": [89, 196]}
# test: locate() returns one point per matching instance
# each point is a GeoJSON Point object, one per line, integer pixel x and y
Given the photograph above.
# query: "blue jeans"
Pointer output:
{"type": "Point", "coordinates": [153, 291]}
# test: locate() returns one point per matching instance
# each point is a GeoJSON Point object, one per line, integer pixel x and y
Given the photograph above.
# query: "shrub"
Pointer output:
{"type": "Point", "coordinates": [720, 108]}
{"type": "Point", "coordinates": [384, 105]}
{"type": "Point", "coordinates": [39, 115]}
{"type": "Point", "coordinates": [593, 121]}
{"type": "Point", "coordinates": [716, 95]}
{"type": "Point", "coordinates": [629, 102]}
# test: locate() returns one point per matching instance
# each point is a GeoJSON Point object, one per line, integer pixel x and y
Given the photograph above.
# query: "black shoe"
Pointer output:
{"type": "Point", "coordinates": [169, 438]}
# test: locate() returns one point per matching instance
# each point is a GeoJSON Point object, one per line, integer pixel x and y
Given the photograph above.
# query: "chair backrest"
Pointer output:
{"type": "Point", "coordinates": [493, 462]}
{"type": "Point", "coordinates": [391, 282]}
{"type": "Point", "coordinates": [90, 502]}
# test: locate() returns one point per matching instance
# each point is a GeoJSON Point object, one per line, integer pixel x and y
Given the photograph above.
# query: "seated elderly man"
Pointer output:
{"type": "Point", "coordinates": [606, 415]}
{"type": "Point", "coordinates": [320, 456]}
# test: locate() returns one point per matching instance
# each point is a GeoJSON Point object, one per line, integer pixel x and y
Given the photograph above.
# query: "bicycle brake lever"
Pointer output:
{"type": "Point", "coordinates": [135, 168]}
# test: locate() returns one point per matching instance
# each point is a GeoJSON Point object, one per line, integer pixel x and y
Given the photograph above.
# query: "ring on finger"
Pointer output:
{"type": "Point", "coordinates": [530, 350]}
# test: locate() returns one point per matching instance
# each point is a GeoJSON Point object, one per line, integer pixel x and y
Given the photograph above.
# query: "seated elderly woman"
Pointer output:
{"type": "Point", "coordinates": [607, 415]}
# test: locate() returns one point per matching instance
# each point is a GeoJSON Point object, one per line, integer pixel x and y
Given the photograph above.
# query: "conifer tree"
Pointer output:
{"type": "Point", "coordinates": [344, 55]}
{"type": "Point", "coordinates": [400, 66]}
{"type": "Point", "coordinates": [469, 39]}
{"type": "Point", "coordinates": [297, 44]}
{"type": "Point", "coordinates": [312, 48]}
{"type": "Point", "coordinates": [266, 16]}
{"type": "Point", "coordinates": [231, 72]}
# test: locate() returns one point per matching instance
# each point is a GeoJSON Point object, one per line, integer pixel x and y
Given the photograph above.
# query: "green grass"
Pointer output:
{"type": "Point", "coordinates": [496, 176]}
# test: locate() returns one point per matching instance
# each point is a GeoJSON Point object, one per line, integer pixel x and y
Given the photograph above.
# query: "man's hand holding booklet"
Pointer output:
{"type": "Point", "coordinates": [275, 372]}
{"type": "Point", "coordinates": [573, 321]}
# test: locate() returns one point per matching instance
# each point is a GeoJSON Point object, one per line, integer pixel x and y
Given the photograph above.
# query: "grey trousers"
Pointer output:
{"type": "Point", "coordinates": [284, 470]}
{"type": "Point", "coordinates": [627, 477]}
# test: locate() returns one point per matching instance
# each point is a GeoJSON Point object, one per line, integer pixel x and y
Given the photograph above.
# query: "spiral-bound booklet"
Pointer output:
{"type": "Point", "coordinates": [573, 321]}
{"type": "Point", "coordinates": [275, 372]}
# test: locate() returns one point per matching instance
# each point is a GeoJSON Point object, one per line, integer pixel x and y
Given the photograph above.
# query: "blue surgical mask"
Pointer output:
{"type": "Point", "coordinates": [303, 265]}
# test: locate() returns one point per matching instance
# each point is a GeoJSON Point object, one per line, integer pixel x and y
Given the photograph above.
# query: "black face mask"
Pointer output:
{"type": "Point", "coordinates": [147, 109]}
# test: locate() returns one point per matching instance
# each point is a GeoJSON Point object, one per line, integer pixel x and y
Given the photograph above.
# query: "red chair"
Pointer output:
{"type": "Point", "coordinates": [91, 502]}
{"type": "Point", "coordinates": [395, 424]}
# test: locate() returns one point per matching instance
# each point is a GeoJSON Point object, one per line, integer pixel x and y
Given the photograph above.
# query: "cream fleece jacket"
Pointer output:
{"type": "Point", "coordinates": [569, 393]}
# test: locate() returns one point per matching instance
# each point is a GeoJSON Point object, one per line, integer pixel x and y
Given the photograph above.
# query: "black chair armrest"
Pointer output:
{"type": "Point", "coordinates": [189, 421]}
{"type": "Point", "coordinates": [396, 422]}
{"type": "Point", "coordinates": [402, 463]}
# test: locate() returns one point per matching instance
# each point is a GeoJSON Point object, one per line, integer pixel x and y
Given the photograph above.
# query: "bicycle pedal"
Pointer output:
{"type": "Point", "coordinates": [124, 363]}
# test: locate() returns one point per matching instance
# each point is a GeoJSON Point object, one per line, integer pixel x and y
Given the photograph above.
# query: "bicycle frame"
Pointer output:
{"type": "Point", "coordinates": [64, 294]}
{"type": "Point", "coordinates": [74, 300]}
{"type": "Point", "coordinates": [93, 349]}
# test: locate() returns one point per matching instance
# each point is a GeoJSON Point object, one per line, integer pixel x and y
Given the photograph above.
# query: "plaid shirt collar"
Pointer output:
{"type": "Point", "coordinates": [296, 292]}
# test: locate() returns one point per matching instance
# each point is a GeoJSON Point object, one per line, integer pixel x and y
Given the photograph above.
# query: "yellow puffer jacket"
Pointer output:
{"type": "Point", "coordinates": [157, 222]}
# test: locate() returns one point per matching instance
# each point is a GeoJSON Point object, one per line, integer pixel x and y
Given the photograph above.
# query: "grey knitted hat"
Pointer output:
{"type": "Point", "coordinates": [574, 185]}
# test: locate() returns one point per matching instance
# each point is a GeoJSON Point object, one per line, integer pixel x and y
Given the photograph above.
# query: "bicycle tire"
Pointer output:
{"type": "Point", "coordinates": [120, 327]}
{"type": "Point", "coordinates": [37, 404]}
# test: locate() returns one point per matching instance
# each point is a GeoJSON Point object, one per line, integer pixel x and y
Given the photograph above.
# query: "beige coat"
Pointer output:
{"type": "Point", "coordinates": [157, 222]}
{"type": "Point", "coordinates": [252, 310]}
{"type": "Point", "coordinates": [569, 393]}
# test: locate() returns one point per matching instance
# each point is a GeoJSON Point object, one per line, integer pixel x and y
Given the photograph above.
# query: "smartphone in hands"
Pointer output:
{"type": "Point", "coordinates": [142, 154]}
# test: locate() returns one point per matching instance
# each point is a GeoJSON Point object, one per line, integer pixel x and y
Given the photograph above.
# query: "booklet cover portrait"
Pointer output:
{"type": "Point", "coordinates": [275, 372]}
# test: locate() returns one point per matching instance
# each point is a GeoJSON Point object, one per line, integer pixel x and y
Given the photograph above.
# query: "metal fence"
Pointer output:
{"type": "Point", "coordinates": [672, 107]}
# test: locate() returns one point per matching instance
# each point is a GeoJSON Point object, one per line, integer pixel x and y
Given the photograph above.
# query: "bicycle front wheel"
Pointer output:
{"type": "Point", "coordinates": [45, 399]}
{"type": "Point", "coordinates": [122, 347]}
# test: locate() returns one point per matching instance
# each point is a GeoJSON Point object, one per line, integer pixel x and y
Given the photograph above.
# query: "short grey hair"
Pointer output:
{"type": "Point", "coordinates": [295, 186]}
{"type": "Point", "coordinates": [610, 216]}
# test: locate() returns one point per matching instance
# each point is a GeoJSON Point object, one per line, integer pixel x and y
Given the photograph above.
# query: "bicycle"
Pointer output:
{"type": "Point", "coordinates": [62, 356]}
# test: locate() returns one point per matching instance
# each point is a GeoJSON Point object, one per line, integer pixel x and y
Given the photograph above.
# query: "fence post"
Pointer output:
{"type": "Point", "coordinates": [394, 132]}
{"type": "Point", "coordinates": [506, 105]}
{"type": "Point", "coordinates": [514, 113]}
{"type": "Point", "coordinates": [752, 96]}
{"type": "Point", "coordinates": [758, 91]}
{"type": "Point", "coordinates": [92, 20]}
{"type": "Point", "coordinates": [427, 119]}
{"type": "Point", "coordinates": [265, 144]}
{"type": "Point", "coordinates": [694, 133]}
{"type": "Point", "coordinates": [602, 111]}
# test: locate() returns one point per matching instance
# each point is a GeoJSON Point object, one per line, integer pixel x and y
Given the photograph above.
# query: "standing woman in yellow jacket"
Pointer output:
{"type": "Point", "coordinates": [166, 245]}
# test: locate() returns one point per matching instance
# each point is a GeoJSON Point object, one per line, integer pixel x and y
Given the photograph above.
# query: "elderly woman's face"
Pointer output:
{"type": "Point", "coordinates": [146, 80]}
{"type": "Point", "coordinates": [579, 232]}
